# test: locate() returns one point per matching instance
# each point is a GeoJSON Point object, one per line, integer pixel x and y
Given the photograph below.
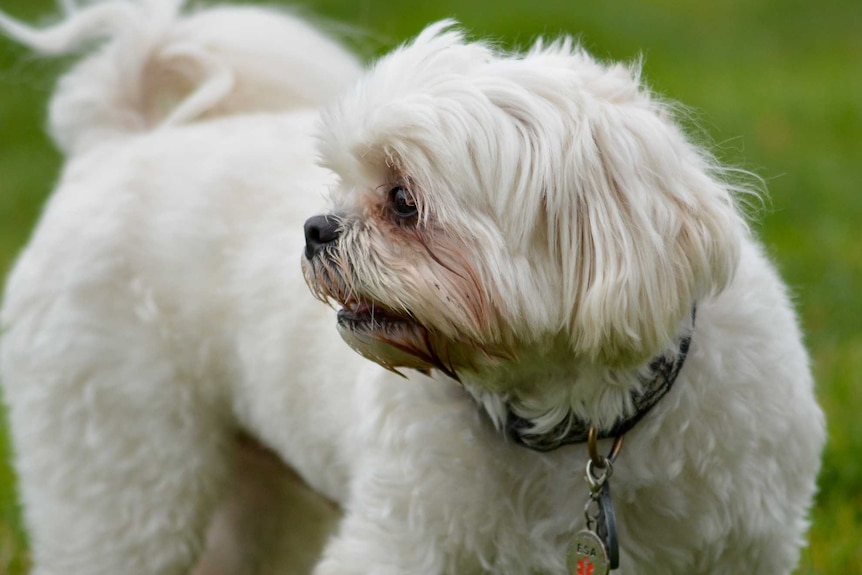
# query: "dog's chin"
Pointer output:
{"type": "Point", "coordinates": [398, 341]}
{"type": "Point", "coordinates": [392, 339]}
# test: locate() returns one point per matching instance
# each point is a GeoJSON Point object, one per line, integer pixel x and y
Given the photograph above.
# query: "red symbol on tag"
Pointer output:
{"type": "Point", "coordinates": [585, 567]}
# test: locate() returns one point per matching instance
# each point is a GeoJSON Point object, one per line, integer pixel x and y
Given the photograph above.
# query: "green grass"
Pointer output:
{"type": "Point", "coordinates": [777, 84]}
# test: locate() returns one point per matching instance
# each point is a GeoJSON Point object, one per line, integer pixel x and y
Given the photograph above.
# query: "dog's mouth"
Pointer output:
{"type": "Point", "coordinates": [361, 314]}
{"type": "Point", "coordinates": [392, 338]}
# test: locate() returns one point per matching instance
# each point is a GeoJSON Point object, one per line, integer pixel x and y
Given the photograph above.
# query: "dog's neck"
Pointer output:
{"type": "Point", "coordinates": [557, 413]}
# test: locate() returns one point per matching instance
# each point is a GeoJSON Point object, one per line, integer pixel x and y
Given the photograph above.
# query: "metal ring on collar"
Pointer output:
{"type": "Point", "coordinates": [597, 460]}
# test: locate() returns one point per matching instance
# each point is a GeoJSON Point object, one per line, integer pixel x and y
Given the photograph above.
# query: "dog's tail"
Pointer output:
{"type": "Point", "coordinates": [156, 67]}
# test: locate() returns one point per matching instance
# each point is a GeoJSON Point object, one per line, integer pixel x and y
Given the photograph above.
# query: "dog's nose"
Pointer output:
{"type": "Point", "coordinates": [320, 231]}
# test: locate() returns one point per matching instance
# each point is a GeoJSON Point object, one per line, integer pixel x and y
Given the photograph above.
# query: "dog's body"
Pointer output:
{"type": "Point", "coordinates": [160, 310]}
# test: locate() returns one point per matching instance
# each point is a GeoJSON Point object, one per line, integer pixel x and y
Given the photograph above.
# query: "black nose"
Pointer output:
{"type": "Point", "coordinates": [320, 231]}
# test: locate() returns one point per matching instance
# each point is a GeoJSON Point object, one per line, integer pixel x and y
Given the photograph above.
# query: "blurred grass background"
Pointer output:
{"type": "Point", "coordinates": [777, 87]}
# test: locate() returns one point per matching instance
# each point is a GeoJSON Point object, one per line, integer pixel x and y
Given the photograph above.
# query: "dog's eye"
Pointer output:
{"type": "Point", "coordinates": [402, 202]}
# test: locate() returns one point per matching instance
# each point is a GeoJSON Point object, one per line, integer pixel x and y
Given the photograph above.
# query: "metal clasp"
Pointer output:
{"type": "Point", "coordinates": [600, 468]}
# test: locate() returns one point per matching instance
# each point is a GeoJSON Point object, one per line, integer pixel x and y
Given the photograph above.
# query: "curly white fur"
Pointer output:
{"type": "Point", "coordinates": [566, 227]}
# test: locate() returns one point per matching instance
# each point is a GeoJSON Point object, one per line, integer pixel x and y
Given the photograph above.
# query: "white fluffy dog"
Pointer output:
{"type": "Point", "coordinates": [530, 238]}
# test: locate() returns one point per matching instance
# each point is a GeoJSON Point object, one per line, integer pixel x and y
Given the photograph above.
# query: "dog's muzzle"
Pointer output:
{"type": "Point", "coordinates": [320, 232]}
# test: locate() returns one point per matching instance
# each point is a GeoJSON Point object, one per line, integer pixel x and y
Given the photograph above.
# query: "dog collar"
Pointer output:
{"type": "Point", "coordinates": [655, 383]}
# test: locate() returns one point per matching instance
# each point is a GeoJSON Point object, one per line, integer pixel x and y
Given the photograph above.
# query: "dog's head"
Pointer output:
{"type": "Point", "coordinates": [491, 204]}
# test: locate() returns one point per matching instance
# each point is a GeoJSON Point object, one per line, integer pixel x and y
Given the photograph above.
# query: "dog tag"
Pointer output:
{"type": "Point", "coordinates": [587, 555]}
{"type": "Point", "coordinates": [606, 525]}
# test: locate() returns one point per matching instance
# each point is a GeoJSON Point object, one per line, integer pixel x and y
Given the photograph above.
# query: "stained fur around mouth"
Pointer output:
{"type": "Point", "coordinates": [393, 339]}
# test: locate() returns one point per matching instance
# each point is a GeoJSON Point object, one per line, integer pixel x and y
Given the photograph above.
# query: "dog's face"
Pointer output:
{"type": "Point", "coordinates": [494, 209]}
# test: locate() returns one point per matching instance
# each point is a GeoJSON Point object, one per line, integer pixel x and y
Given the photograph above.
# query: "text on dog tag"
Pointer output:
{"type": "Point", "coordinates": [587, 555]}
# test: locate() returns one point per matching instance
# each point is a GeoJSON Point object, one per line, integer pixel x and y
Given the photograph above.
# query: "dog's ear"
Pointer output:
{"type": "Point", "coordinates": [644, 225]}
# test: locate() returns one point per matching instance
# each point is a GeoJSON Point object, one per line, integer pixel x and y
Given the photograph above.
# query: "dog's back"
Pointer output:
{"type": "Point", "coordinates": [155, 68]}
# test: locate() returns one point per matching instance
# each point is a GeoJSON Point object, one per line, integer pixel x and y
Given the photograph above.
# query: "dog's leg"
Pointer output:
{"type": "Point", "coordinates": [406, 531]}
{"type": "Point", "coordinates": [413, 513]}
{"type": "Point", "coordinates": [271, 522]}
{"type": "Point", "coordinates": [121, 459]}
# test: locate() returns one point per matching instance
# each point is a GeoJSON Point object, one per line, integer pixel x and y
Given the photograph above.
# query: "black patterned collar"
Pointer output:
{"type": "Point", "coordinates": [655, 383]}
